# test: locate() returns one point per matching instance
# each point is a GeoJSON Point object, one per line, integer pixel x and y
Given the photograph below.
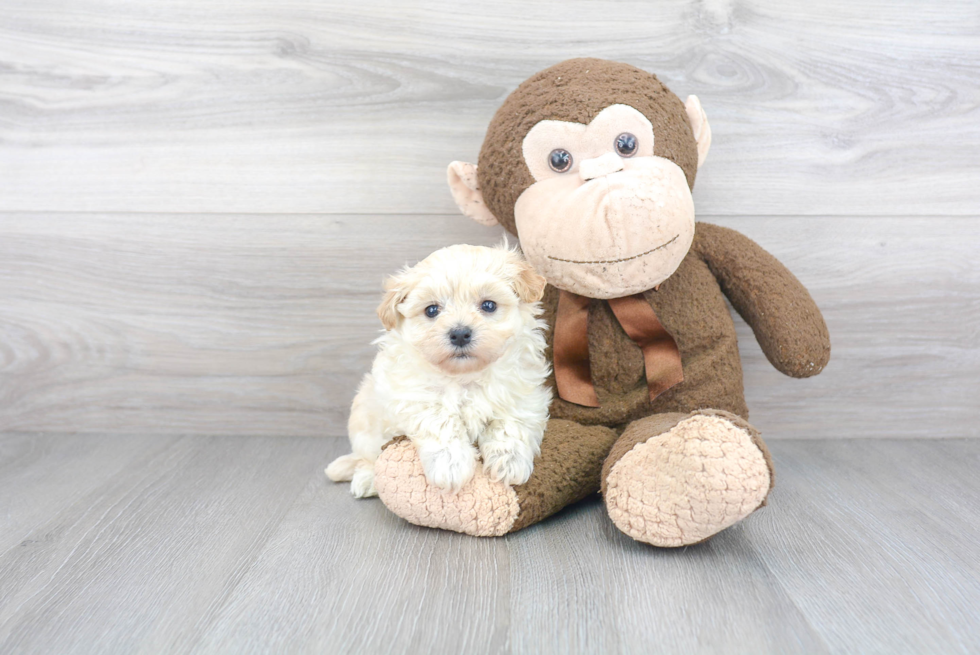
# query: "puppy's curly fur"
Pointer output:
{"type": "Point", "coordinates": [460, 371]}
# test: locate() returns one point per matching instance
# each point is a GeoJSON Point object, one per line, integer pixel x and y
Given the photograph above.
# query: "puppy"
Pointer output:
{"type": "Point", "coordinates": [460, 371]}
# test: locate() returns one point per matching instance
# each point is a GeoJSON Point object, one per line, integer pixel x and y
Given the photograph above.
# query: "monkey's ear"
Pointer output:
{"type": "Point", "coordinates": [528, 283]}
{"type": "Point", "coordinates": [466, 193]}
{"type": "Point", "coordinates": [396, 290]}
{"type": "Point", "coordinates": [699, 125]}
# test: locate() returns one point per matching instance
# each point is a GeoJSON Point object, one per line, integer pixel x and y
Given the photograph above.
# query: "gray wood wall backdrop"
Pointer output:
{"type": "Point", "coordinates": [198, 201]}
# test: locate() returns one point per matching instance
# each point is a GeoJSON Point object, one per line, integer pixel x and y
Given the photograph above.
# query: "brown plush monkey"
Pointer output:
{"type": "Point", "coordinates": [591, 163]}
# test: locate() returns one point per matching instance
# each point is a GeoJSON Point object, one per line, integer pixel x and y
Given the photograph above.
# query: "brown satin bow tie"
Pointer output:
{"type": "Point", "coordinates": [573, 375]}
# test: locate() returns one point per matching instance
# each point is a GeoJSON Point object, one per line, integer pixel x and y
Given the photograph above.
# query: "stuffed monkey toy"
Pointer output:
{"type": "Point", "coordinates": [591, 164]}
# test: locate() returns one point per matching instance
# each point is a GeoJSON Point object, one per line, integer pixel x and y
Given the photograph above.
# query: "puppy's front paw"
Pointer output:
{"type": "Point", "coordinates": [510, 463]}
{"type": "Point", "coordinates": [447, 466]}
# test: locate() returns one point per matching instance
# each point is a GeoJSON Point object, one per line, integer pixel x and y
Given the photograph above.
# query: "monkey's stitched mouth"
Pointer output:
{"type": "Point", "coordinates": [617, 261]}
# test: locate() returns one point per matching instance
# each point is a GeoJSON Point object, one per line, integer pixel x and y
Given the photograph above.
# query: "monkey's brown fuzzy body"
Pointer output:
{"type": "Point", "coordinates": [691, 306]}
{"type": "Point", "coordinates": [673, 470]}
{"type": "Point", "coordinates": [582, 444]}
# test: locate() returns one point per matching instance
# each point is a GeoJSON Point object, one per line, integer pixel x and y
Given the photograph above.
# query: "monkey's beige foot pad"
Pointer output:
{"type": "Point", "coordinates": [482, 508]}
{"type": "Point", "coordinates": [680, 488]}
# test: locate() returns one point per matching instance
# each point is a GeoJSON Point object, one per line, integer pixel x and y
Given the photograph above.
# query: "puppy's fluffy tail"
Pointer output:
{"type": "Point", "coordinates": [342, 468]}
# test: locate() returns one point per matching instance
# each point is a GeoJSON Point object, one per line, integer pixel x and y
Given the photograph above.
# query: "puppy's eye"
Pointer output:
{"type": "Point", "coordinates": [560, 160]}
{"type": "Point", "coordinates": [489, 306]}
{"type": "Point", "coordinates": [432, 311]}
{"type": "Point", "coordinates": [626, 144]}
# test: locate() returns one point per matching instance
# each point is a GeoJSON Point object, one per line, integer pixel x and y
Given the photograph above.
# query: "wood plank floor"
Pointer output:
{"type": "Point", "coordinates": [238, 544]}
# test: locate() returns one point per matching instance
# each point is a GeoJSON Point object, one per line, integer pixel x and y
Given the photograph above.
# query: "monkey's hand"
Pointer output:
{"type": "Point", "coordinates": [786, 321]}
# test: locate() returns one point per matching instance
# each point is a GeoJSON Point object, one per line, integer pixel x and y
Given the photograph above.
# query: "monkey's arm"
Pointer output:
{"type": "Point", "coordinates": [783, 316]}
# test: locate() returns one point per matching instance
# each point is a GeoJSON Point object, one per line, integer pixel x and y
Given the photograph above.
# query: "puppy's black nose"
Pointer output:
{"type": "Point", "coordinates": [460, 336]}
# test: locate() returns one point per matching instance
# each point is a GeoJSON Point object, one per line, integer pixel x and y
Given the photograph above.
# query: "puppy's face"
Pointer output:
{"type": "Point", "coordinates": [461, 305]}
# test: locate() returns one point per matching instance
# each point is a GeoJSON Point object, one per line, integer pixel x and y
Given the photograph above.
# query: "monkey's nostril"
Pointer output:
{"type": "Point", "coordinates": [460, 336]}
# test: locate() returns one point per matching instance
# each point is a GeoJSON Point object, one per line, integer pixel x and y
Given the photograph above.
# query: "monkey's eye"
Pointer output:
{"type": "Point", "coordinates": [560, 160]}
{"type": "Point", "coordinates": [432, 311]}
{"type": "Point", "coordinates": [489, 306]}
{"type": "Point", "coordinates": [626, 144]}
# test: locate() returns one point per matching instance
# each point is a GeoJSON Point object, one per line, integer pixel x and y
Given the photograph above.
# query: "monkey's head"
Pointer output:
{"type": "Point", "coordinates": [591, 164]}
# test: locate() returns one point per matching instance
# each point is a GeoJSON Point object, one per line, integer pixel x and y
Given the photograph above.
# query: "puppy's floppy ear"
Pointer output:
{"type": "Point", "coordinates": [528, 284]}
{"type": "Point", "coordinates": [397, 288]}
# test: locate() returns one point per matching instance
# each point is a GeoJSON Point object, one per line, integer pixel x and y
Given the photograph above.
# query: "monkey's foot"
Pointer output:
{"type": "Point", "coordinates": [676, 480]}
{"type": "Point", "coordinates": [482, 507]}
{"type": "Point", "coordinates": [567, 471]}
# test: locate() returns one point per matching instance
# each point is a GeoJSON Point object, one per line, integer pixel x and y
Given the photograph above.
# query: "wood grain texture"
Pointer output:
{"type": "Point", "coordinates": [141, 560]}
{"type": "Point", "coordinates": [352, 577]}
{"type": "Point", "coordinates": [334, 107]}
{"type": "Point", "coordinates": [215, 544]}
{"type": "Point", "coordinates": [581, 586]}
{"type": "Point", "coordinates": [40, 474]}
{"type": "Point", "coordinates": [252, 324]}
{"type": "Point", "coordinates": [880, 552]}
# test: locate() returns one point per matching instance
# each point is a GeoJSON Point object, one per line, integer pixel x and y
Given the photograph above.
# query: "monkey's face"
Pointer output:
{"type": "Point", "coordinates": [591, 163]}
{"type": "Point", "coordinates": [605, 217]}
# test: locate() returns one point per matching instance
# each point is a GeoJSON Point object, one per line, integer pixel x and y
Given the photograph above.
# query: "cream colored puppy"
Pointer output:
{"type": "Point", "coordinates": [460, 371]}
